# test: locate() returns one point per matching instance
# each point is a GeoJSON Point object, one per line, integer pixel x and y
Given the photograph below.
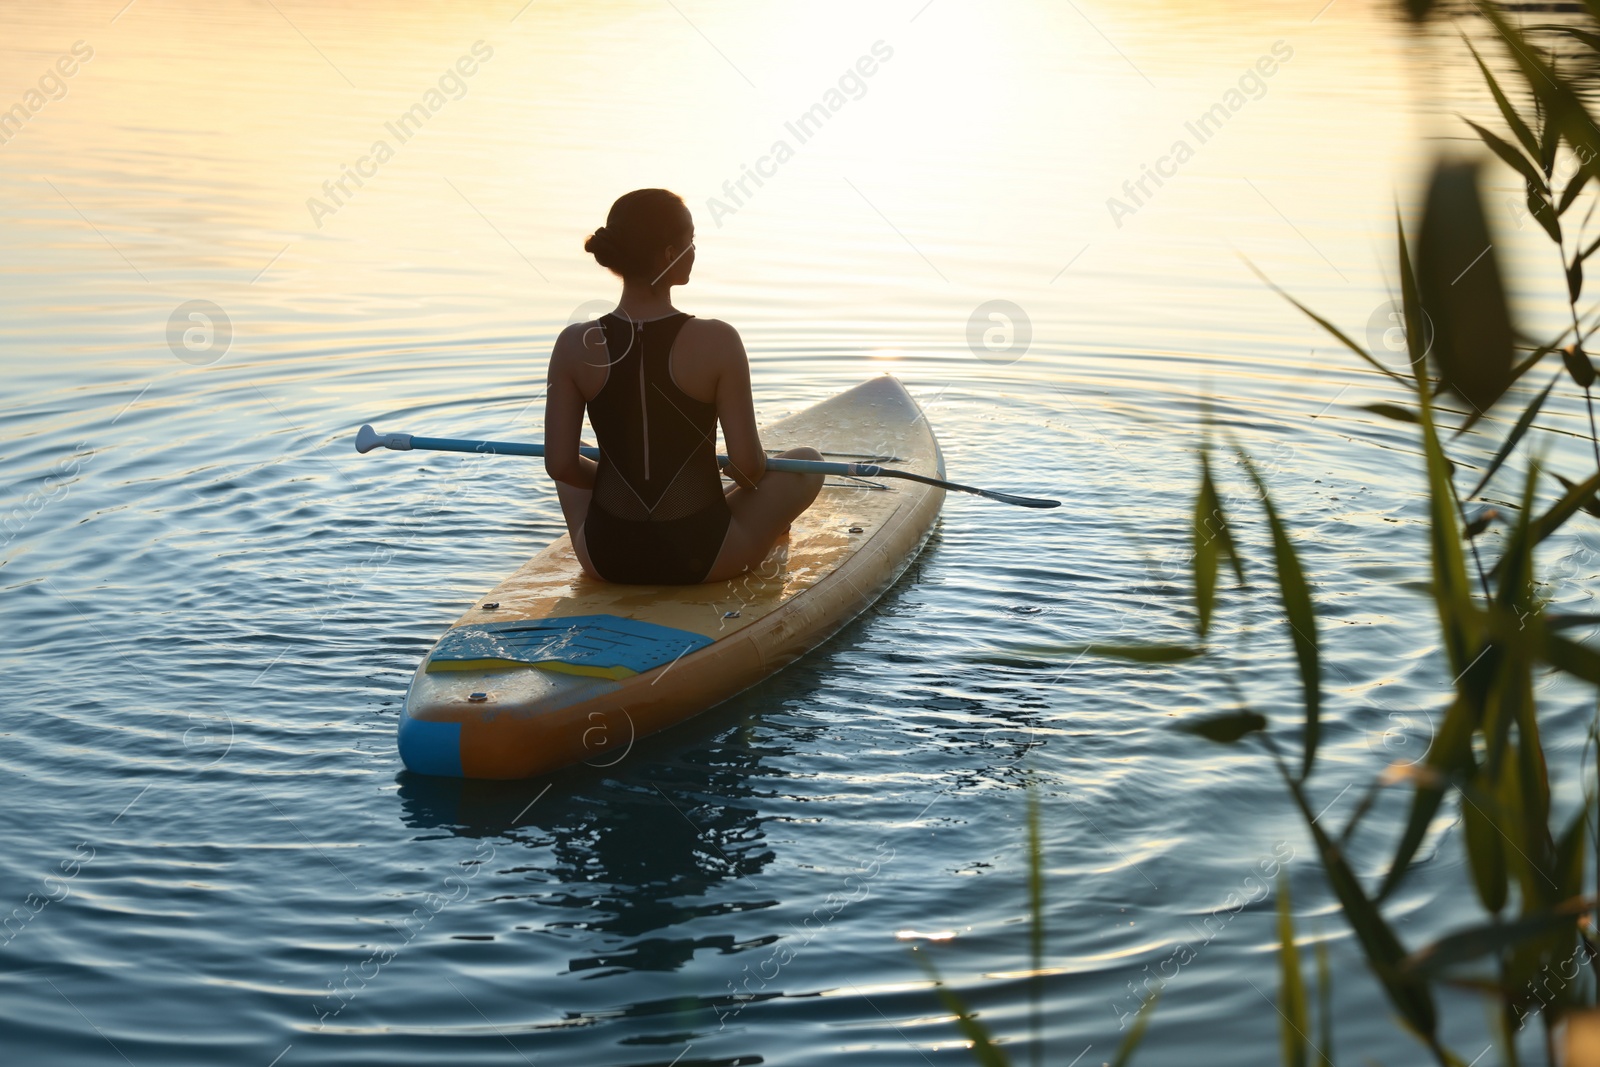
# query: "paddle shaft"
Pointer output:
{"type": "Point", "coordinates": [513, 448]}
{"type": "Point", "coordinates": [368, 439]}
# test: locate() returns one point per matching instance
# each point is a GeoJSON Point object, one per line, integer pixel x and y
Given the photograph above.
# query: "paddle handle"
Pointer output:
{"type": "Point", "coordinates": [368, 439]}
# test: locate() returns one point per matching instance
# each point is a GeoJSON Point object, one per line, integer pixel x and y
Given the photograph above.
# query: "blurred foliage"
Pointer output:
{"type": "Point", "coordinates": [1487, 761]}
{"type": "Point", "coordinates": [1529, 869]}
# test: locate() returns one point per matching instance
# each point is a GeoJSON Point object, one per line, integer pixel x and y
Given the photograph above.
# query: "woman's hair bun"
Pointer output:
{"type": "Point", "coordinates": [603, 247]}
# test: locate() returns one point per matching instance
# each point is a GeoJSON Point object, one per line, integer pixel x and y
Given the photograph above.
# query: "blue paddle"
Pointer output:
{"type": "Point", "coordinates": [368, 439]}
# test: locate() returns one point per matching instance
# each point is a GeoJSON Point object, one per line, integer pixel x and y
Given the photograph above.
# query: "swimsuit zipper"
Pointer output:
{"type": "Point", "coordinates": [644, 407]}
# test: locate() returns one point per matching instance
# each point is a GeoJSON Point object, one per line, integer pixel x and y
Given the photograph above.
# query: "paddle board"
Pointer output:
{"type": "Point", "coordinates": [552, 667]}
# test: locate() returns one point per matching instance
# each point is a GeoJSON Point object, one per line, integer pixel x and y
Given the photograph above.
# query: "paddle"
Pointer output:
{"type": "Point", "coordinates": [368, 439]}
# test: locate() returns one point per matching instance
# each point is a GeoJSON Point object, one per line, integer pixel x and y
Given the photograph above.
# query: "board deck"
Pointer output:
{"type": "Point", "coordinates": [491, 718]}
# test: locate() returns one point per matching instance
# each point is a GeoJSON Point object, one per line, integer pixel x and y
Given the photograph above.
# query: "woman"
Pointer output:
{"type": "Point", "coordinates": [656, 382]}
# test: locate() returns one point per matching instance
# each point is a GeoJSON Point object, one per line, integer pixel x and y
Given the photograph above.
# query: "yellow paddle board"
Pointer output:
{"type": "Point", "coordinates": [552, 668]}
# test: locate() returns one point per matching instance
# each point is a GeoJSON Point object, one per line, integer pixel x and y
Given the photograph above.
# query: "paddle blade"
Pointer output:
{"type": "Point", "coordinates": [987, 494]}
{"type": "Point", "coordinates": [1019, 501]}
{"type": "Point", "coordinates": [869, 470]}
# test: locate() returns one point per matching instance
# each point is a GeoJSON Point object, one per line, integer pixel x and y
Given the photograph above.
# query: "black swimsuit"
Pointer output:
{"type": "Point", "coordinates": [658, 515]}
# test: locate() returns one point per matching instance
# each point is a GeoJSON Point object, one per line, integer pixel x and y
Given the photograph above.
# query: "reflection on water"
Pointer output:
{"type": "Point", "coordinates": [698, 819]}
{"type": "Point", "coordinates": [215, 605]}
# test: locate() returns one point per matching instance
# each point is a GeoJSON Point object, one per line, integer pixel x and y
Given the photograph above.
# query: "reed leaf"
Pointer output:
{"type": "Point", "coordinates": [1036, 915]}
{"type": "Point", "coordinates": [1293, 1010]}
{"type": "Point", "coordinates": [1324, 1006]}
{"type": "Point", "coordinates": [984, 1047]}
{"type": "Point", "coordinates": [1590, 506]}
{"type": "Point", "coordinates": [1570, 503]}
{"type": "Point", "coordinates": [1226, 728]}
{"type": "Point", "coordinates": [1570, 657]}
{"type": "Point", "coordinates": [1213, 541]}
{"type": "Point", "coordinates": [1300, 615]}
{"type": "Point", "coordinates": [1141, 1022]}
{"type": "Point", "coordinates": [1418, 336]}
{"type": "Point", "coordinates": [1363, 806]}
{"type": "Point", "coordinates": [1451, 588]}
{"type": "Point", "coordinates": [1419, 10]}
{"type": "Point", "coordinates": [1450, 753]}
{"type": "Point", "coordinates": [1333, 330]}
{"type": "Point", "coordinates": [1137, 653]}
{"type": "Point", "coordinates": [1515, 159]}
{"type": "Point", "coordinates": [1206, 550]}
{"type": "Point", "coordinates": [1514, 570]}
{"type": "Point", "coordinates": [1540, 209]}
{"type": "Point", "coordinates": [1496, 681]}
{"type": "Point", "coordinates": [1533, 776]}
{"type": "Point", "coordinates": [1573, 356]}
{"type": "Point", "coordinates": [1458, 281]}
{"type": "Point", "coordinates": [1475, 942]}
{"type": "Point", "coordinates": [1569, 855]}
{"type": "Point", "coordinates": [1570, 193]}
{"type": "Point", "coordinates": [1549, 142]}
{"type": "Point", "coordinates": [1566, 115]}
{"type": "Point", "coordinates": [1517, 372]}
{"type": "Point", "coordinates": [1391, 411]}
{"type": "Point", "coordinates": [1410, 997]}
{"type": "Point", "coordinates": [1524, 421]}
{"type": "Point", "coordinates": [1511, 806]}
{"type": "Point", "coordinates": [1592, 40]}
{"type": "Point", "coordinates": [1513, 120]}
{"type": "Point", "coordinates": [1485, 856]}
{"type": "Point", "coordinates": [1570, 622]}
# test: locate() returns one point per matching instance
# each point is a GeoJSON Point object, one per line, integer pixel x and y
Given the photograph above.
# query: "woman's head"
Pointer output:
{"type": "Point", "coordinates": [648, 237]}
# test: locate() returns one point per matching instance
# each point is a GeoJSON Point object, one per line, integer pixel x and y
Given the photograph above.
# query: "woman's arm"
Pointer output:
{"type": "Point", "coordinates": [736, 408]}
{"type": "Point", "coordinates": [563, 413]}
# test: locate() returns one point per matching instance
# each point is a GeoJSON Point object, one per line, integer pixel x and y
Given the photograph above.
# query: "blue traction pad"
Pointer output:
{"type": "Point", "coordinates": [601, 646]}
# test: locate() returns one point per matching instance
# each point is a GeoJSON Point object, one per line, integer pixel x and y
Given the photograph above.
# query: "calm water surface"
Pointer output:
{"type": "Point", "coordinates": [212, 605]}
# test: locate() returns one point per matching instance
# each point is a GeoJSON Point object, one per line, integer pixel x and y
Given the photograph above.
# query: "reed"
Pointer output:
{"type": "Point", "coordinates": [1530, 876]}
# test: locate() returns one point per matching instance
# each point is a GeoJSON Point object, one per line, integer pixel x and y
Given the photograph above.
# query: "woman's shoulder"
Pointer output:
{"type": "Point", "coordinates": [578, 341]}
{"type": "Point", "coordinates": [713, 336]}
{"type": "Point", "coordinates": [579, 358]}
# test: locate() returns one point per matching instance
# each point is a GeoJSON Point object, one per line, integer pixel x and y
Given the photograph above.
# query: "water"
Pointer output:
{"type": "Point", "coordinates": [213, 604]}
